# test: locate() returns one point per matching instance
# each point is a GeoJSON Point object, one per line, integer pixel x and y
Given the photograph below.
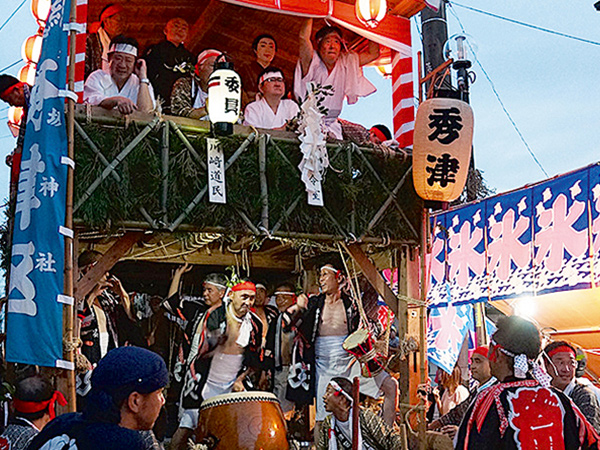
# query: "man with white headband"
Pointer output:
{"type": "Point", "coordinates": [336, 432]}
{"type": "Point", "coordinates": [331, 65]}
{"type": "Point", "coordinates": [271, 111]}
{"type": "Point", "coordinates": [126, 87]}
{"type": "Point", "coordinates": [188, 98]}
{"type": "Point", "coordinates": [225, 349]}
{"type": "Point", "coordinates": [522, 410]}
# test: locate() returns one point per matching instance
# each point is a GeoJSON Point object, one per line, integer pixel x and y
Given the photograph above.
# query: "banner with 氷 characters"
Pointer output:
{"type": "Point", "coordinates": [35, 299]}
{"type": "Point", "coordinates": [533, 241]}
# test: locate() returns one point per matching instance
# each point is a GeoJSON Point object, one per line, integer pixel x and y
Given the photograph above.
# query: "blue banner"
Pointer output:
{"type": "Point", "coordinates": [533, 241]}
{"type": "Point", "coordinates": [34, 321]}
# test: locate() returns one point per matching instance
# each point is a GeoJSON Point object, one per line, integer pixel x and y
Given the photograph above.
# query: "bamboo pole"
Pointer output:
{"type": "Point", "coordinates": [68, 310]}
{"type": "Point", "coordinates": [355, 413]}
{"type": "Point", "coordinates": [264, 189]}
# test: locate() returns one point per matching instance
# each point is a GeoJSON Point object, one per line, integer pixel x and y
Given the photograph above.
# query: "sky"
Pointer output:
{"type": "Point", "coordinates": [548, 84]}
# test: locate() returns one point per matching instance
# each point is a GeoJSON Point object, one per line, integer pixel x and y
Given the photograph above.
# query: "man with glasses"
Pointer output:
{"type": "Point", "coordinates": [271, 111]}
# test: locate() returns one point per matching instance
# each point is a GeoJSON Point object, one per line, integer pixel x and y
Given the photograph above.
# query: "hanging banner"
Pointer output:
{"type": "Point", "coordinates": [533, 241]}
{"type": "Point", "coordinates": [34, 320]}
{"type": "Point", "coordinates": [216, 171]}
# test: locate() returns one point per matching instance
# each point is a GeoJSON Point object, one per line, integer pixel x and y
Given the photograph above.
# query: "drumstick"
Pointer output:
{"type": "Point", "coordinates": [355, 412]}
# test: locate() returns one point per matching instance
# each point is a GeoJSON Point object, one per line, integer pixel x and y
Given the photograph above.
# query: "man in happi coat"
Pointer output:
{"type": "Point", "coordinates": [522, 410]}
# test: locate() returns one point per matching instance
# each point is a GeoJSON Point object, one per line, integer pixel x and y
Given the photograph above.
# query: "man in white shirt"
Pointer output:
{"type": "Point", "coordinates": [271, 111]}
{"type": "Point", "coordinates": [331, 65]}
{"type": "Point", "coordinates": [126, 87]}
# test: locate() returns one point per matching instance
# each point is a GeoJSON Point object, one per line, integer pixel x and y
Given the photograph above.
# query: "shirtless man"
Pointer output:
{"type": "Point", "coordinates": [228, 349]}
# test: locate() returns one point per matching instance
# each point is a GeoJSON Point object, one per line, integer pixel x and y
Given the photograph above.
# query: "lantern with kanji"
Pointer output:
{"type": "Point", "coordinates": [224, 97]}
{"type": "Point", "coordinates": [370, 12]}
{"type": "Point", "coordinates": [443, 138]}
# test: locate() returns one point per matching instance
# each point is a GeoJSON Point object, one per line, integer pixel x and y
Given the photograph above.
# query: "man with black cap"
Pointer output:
{"type": "Point", "coordinates": [16, 93]}
{"type": "Point", "coordinates": [331, 65]}
{"type": "Point", "coordinates": [126, 398]}
{"type": "Point", "coordinates": [34, 406]}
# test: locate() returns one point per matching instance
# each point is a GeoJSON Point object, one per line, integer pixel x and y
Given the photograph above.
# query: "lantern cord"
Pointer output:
{"type": "Point", "coordinates": [12, 15]}
{"type": "Point", "coordinates": [514, 125]}
{"type": "Point", "coordinates": [11, 65]}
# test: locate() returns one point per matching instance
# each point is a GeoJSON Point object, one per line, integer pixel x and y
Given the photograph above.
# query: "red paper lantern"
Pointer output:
{"type": "Point", "coordinates": [32, 48]}
{"type": "Point", "coordinates": [27, 74]}
{"type": "Point", "coordinates": [443, 138]}
{"type": "Point", "coordinates": [40, 10]}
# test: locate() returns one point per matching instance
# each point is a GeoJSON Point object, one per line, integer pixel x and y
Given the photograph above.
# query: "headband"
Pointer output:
{"type": "Point", "coordinates": [10, 88]}
{"type": "Point", "coordinates": [521, 366]}
{"type": "Point", "coordinates": [244, 286]}
{"type": "Point", "coordinates": [111, 11]}
{"type": "Point", "coordinates": [33, 407]}
{"type": "Point", "coordinates": [207, 54]}
{"type": "Point", "coordinates": [339, 390]}
{"type": "Point", "coordinates": [483, 351]}
{"type": "Point", "coordinates": [561, 349]}
{"type": "Point", "coordinates": [217, 285]}
{"type": "Point", "coordinates": [331, 269]}
{"type": "Point", "coordinates": [265, 75]}
{"type": "Point", "coordinates": [123, 48]}
{"type": "Point", "coordinates": [377, 132]}
{"type": "Point", "coordinates": [260, 286]}
{"type": "Point", "coordinates": [284, 293]}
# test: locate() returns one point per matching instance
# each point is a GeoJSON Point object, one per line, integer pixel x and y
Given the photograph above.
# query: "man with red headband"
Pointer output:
{"type": "Point", "coordinates": [561, 362]}
{"type": "Point", "coordinates": [16, 93]}
{"type": "Point", "coordinates": [229, 347]}
{"type": "Point", "coordinates": [112, 24]}
{"type": "Point", "coordinates": [188, 98]}
{"type": "Point", "coordinates": [482, 373]}
{"type": "Point", "coordinates": [522, 410]}
{"type": "Point", "coordinates": [125, 86]}
{"type": "Point", "coordinates": [34, 406]}
{"type": "Point", "coordinates": [331, 65]}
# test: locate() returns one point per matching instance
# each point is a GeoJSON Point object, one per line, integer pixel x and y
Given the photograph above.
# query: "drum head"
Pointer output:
{"type": "Point", "coordinates": [238, 397]}
{"type": "Point", "coordinates": [355, 339]}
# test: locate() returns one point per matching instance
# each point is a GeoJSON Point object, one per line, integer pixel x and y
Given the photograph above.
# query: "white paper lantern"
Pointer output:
{"type": "Point", "coordinates": [32, 48]}
{"type": "Point", "coordinates": [443, 139]}
{"type": "Point", "coordinates": [27, 74]}
{"type": "Point", "coordinates": [40, 10]}
{"type": "Point", "coordinates": [370, 12]}
{"type": "Point", "coordinates": [224, 98]}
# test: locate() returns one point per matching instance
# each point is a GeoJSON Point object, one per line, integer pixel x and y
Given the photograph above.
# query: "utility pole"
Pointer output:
{"type": "Point", "coordinates": [434, 31]}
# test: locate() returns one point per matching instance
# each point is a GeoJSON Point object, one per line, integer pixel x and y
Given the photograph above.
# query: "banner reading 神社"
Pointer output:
{"type": "Point", "coordinates": [35, 300]}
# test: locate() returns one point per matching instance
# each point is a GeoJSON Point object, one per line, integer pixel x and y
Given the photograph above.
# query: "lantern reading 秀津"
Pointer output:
{"type": "Point", "coordinates": [443, 138]}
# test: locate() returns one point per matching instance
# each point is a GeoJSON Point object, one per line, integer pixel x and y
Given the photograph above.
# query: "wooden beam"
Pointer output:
{"type": "Point", "coordinates": [85, 285]}
{"type": "Point", "coordinates": [380, 285]}
{"type": "Point", "coordinates": [205, 22]}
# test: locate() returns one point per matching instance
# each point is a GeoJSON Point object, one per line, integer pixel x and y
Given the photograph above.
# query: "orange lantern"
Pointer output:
{"type": "Point", "coordinates": [32, 48]}
{"type": "Point", "coordinates": [443, 139]}
{"type": "Point", "coordinates": [370, 12]}
{"type": "Point", "coordinates": [27, 74]}
{"type": "Point", "coordinates": [15, 115]}
{"type": "Point", "coordinates": [385, 70]}
{"type": "Point", "coordinates": [40, 10]}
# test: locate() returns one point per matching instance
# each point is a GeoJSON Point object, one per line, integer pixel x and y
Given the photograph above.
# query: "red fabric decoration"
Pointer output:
{"type": "Point", "coordinates": [377, 132]}
{"type": "Point", "coordinates": [483, 351]}
{"type": "Point", "coordinates": [111, 11]}
{"type": "Point", "coordinates": [244, 286]}
{"type": "Point", "coordinates": [33, 407]}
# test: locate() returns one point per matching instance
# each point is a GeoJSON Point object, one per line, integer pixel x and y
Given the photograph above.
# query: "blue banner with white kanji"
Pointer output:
{"type": "Point", "coordinates": [34, 320]}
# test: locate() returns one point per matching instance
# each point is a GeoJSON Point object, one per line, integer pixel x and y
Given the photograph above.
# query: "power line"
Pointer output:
{"type": "Point", "coordinates": [535, 27]}
{"type": "Point", "coordinates": [11, 65]}
{"type": "Point", "coordinates": [12, 15]}
{"type": "Point", "coordinates": [502, 103]}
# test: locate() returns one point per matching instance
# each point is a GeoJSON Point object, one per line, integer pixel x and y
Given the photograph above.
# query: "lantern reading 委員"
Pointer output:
{"type": "Point", "coordinates": [224, 97]}
{"type": "Point", "coordinates": [443, 138]}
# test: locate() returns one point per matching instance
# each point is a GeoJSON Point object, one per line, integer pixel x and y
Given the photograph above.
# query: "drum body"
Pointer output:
{"type": "Point", "coordinates": [362, 346]}
{"type": "Point", "coordinates": [242, 421]}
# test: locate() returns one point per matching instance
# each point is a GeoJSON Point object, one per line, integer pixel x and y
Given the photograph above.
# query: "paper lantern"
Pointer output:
{"type": "Point", "coordinates": [32, 48]}
{"type": "Point", "coordinates": [370, 12]}
{"type": "Point", "coordinates": [27, 74]}
{"type": "Point", "coordinates": [385, 70]}
{"type": "Point", "coordinates": [224, 98]}
{"type": "Point", "coordinates": [15, 115]}
{"type": "Point", "coordinates": [40, 10]}
{"type": "Point", "coordinates": [443, 138]}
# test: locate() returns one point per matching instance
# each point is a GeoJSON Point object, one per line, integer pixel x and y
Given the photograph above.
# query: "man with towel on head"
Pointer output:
{"type": "Point", "coordinates": [189, 95]}
{"type": "Point", "coordinates": [336, 432]}
{"type": "Point", "coordinates": [125, 86]}
{"type": "Point", "coordinates": [332, 65]}
{"type": "Point", "coordinates": [228, 349]}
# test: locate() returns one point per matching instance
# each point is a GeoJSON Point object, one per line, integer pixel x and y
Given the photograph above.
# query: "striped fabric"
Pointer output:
{"type": "Point", "coordinates": [403, 99]}
{"type": "Point", "coordinates": [82, 6]}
